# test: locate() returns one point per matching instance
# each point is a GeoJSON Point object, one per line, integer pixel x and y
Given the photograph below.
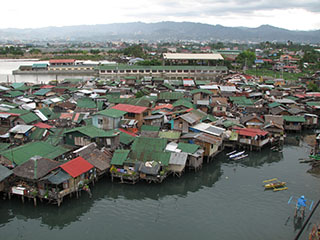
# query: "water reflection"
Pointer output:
{"type": "Point", "coordinates": [73, 209]}
{"type": "Point", "coordinates": [255, 159]}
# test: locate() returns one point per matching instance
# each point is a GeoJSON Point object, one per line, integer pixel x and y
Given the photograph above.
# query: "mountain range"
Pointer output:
{"type": "Point", "coordinates": [165, 31]}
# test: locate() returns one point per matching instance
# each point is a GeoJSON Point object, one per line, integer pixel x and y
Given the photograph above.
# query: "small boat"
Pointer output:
{"type": "Point", "coordinates": [236, 154]}
{"type": "Point", "coordinates": [275, 184]}
{"type": "Point", "coordinates": [241, 156]}
{"type": "Point", "coordinates": [231, 152]}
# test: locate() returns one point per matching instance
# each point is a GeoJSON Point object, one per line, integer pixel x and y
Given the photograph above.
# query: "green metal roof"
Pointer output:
{"type": "Point", "coordinates": [119, 157]}
{"type": "Point", "coordinates": [86, 103]}
{"type": "Point", "coordinates": [114, 113]}
{"type": "Point", "coordinates": [274, 104]}
{"type": "Point", "coordinates": [30, 118]}
{"type": "Point", "coordinates": [241, 101]}
{"type": "Point", "coordinates": [150, 149]}
{"type": "Point", "coordinates": [14, 94]}
{"type": "Point", "coordinates": [311, 104]}
{"type": "Point", "coordinates": [167, 85]}
{"type": "Point", "coordinates": [209, 117]}
{"type": "Point", "coordinates": [39, 65]}
{"type": "Point", "coordinates": [195, 91]}
{"type": "Point", "coordinates": [42, 92]}
{"type": "Point", "coordinates": [4, 146]}
{"type": "Point", "coordinates": [183, 102]}
{"type": "Point", "coordinates": [294, 119]}
{"type": "Point", "coordinates": [17, 85]}
{"type": "Point", "coordinates": [292, 98]}
{"type": "Point", "coordinates": [93, 132]}
{"type": "Point", "coordinates": [18, 111]}
{"type": "Point", "coordinates": [163, 68]}
{"type": "Point", "coordinates": [170, 134]}
{"type": "Point", "coordinates": [23, 153]}
{"type": "Point", "coordinates": [37, 134]}
{"type": "Point", "coordinates": [126, 138]}
{"type": "Point", "coordinates": [202, 82]}
{"type": "Point", "coordinates": [170, 95]}
{"type": "Point", "coordinates": [56, 136]}
{"type": "Point", "coordinates": [150, 128]}
{"type": "Point", "coordinates": [47, 112]}
{"type": "Point", "coordinates": [188, 148]}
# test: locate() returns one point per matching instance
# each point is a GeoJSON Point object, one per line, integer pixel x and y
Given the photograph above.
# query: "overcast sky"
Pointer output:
{"type": "Point", "coordinates": [289, 14]}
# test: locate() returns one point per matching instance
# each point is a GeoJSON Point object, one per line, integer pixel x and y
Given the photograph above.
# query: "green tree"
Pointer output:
{"type": "Point", "coordinates": [247, 58]}
{"type": "Point", "coordinates": [134, 51]}
{"type": "Point", "coordinates": [313, 87]}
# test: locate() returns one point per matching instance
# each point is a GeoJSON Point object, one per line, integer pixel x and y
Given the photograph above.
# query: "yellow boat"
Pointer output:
{"type": "Point", "coordinates": [275, 184]}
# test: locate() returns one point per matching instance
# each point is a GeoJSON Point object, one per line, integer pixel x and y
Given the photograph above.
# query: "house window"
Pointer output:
{"type": "Point", "coordinates": [145, 114]}
{"type": "Point", "coordinates": [108, 141]}
{"type": "Point", "coordinates": [132, 115]}
{"type": "Point", "coordinates": [180, 124]}
{"type": "Point", "coordinates": [100, 121]}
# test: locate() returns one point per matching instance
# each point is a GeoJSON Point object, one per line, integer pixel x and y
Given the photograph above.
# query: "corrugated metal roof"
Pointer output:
{"type": "Point", "coordinates": [93, 132]}
{"type": "Point", "coordinates": [208, 128]}
{"type": "Point", "coordinates": [130, 108]}
{"type": "Point", "coordinates": [193, 56]}
{"type": "Point", "coordinates": [300, 119]}
{"type": "Point", "coordinates": [23, 153]}
{"type": "Point", "coordinates": [204, 137]}
{"type": "Point", "coordinates": [190, 117]}
{"type": "Point", "coordinates": [178, 158]}
{"type": "Point", "coordinates": [119, 157]}
{"type": "Point", "coordinates": [77, 166]}
{"type": "Point", "coordinates": [29, 118]}
{"type": "Point", "coordinates": [114, 113]}
{"type": "Point", "coordinates": [4, 173]}
{"type": "Point", "coordinates": [21, 129]}
{"type": "Point", "coordinates": [188, 147]}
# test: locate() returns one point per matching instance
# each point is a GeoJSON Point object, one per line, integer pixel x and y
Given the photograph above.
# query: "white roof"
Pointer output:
{"type": "Point", "coordinates": [193, 56]}
{"type": "Point", "coordinates": [285, 101]}
{"type": "Point", "coordinates": [27, 100]}
{"type": "Point", "coordinates": [4, 115]}
{"type": "Point", "coordinates": [209, 87]}
{"type": "Point", "coordinates": [55, 100]}
{"type": "Point", "coordinates": [228, 89]}
{"type": "Point", "coordinates": [178, 158]}
{"type": "Point", "coordinates": [172, 147]}
{"type": "Point", "coordinates": [210, 129]}
{"type": "Point", "coordinates": [85, 91]}
{"type": "Point", "coordinates": [29, 106]}
{"type": "Point", "coordinates": [40, 115]}
{"type": "Point", "coordinates": [20, 128]}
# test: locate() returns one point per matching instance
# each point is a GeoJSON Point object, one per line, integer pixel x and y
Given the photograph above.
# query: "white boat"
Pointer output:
{"type": "Point", "coordinates": [231, 152]}
{"type": "Point", "coordinates": [236, 154]}
{"type": "Point", "coordinates": [241, 156]}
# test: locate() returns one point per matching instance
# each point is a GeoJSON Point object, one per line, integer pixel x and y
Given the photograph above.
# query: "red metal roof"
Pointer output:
{"type": "Point", "coordinates": [47, 86]}
{"type": "Point", "coordinates": [251, 132]}
{"type": "Point", "coordinates": [76, 166]}
{"type": "Point", "coordinates": [11, 114]}
{"type": "Point", "coordinates": [130, 108]}
{"type": "Point", "coordinates": [127, 132]}
{"type": "Point", "coordinates": [62, 61]}
{"type": "Point", "coordinates": [162, 106]}
{"type": "Point", "coordinates": [300, 95]}
{"type": "Point", "coordinates": [42, 125]}
{"type": "Point", "coordinates": [312, 94]}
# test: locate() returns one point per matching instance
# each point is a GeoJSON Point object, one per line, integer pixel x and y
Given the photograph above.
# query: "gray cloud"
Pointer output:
{"type": "Point", "coordinates": [189, 8]}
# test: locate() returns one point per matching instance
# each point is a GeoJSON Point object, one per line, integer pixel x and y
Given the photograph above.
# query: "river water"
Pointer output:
{"type": "Point", "coordinates": [225, 200]}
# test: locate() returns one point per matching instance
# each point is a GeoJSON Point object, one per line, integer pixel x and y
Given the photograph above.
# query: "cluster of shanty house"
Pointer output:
{"type": "Point", "coordinates": [58, 139]}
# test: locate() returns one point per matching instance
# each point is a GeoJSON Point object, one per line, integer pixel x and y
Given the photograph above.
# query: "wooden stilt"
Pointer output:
{"type": "Point", "coordinates": [35, 201]}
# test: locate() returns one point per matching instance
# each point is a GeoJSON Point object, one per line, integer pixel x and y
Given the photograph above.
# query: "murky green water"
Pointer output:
{"type": "Point", "coordinates": [225, 200]}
